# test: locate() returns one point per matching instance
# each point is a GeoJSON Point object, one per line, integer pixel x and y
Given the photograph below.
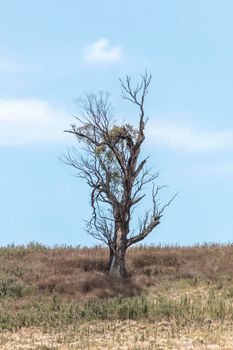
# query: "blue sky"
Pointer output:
{"type": "Point", "coordinates": [53, 51]}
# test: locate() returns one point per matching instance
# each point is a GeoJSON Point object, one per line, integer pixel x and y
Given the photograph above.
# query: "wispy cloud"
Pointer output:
{"type": "Point", "coordinates": [101, 51]}
{"type": "Point", "coordinates": [188, 138]}
{"type": "Point", "coordinates": [10, 64]}
{"type": "Point", "coordinates": [7, 65]}
{"type": "Point", "coordinates": [28, 121]}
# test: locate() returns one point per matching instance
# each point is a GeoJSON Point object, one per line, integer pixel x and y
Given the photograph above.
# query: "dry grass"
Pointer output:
{"type": "Point", "coordinates": [62, 298]}
{"type": "Point", "coordinates": [124, 335]}
{"type": "Point", "coordinates": [82, 272]}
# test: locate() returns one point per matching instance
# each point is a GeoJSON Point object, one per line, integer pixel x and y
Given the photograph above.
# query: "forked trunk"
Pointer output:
{"type": "Point", "coordinates": [117, 257]}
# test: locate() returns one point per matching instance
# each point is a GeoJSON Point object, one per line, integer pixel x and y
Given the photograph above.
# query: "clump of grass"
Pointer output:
{"type": "Point", "coordinates": [12, 287]}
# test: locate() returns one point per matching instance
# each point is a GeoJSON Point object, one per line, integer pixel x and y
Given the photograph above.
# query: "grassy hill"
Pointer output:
{"type": "Point", "coordinates": [66, 292]}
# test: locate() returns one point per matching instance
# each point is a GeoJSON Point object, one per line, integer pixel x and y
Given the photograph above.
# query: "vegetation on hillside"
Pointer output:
{"type": "Point", "coordinates": [41, 286]}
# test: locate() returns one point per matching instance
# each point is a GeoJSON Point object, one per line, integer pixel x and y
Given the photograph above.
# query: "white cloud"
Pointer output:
{"type": "Point", "coordinates": [102, 52]}
{"type": "Point", "coordinates": [188, 139]}
{"type": "Point", "coordinates": [28, 121]}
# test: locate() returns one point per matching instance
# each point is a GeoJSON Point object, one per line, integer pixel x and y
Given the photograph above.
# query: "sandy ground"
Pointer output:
{"type": "Point", "coordinates": [124, 335]}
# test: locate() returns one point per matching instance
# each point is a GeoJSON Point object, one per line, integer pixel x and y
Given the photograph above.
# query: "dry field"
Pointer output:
{"type": "Point", "coordinates": [131, 335]}
{"type": "Point", "coordinates": [61, 298]}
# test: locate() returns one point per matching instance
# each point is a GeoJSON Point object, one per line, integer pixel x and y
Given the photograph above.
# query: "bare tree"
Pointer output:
{"type": "Point", "coordinates": [108, 160]}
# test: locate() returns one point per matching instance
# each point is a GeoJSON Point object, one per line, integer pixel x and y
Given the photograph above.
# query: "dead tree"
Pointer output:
{"type": "Point", "coordinates": [109, 161]}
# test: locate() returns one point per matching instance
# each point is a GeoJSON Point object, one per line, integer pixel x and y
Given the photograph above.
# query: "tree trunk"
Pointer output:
{"type": "Point", "coordinates": [117, 263]}
{"type": "Point", "coordinates": [117, 257]}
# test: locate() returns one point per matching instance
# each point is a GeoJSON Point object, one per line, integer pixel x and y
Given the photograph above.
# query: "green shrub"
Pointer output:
{"type": "Point", "coordinates": [12, 287]}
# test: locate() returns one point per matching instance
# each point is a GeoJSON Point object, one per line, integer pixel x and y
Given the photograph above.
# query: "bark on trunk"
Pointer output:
{"type": "Point", "coordinates": [117, 263]}
{"type": "Point", "coordinates": [117, 256]}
